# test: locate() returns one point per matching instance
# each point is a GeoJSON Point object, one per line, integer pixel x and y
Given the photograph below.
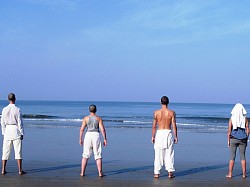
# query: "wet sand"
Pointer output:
{"type": "Point", "coordinates": [52, 157]}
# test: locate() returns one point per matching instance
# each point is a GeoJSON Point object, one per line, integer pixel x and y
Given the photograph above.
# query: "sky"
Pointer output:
{"type": "Point", "coordinates": [194, 51]}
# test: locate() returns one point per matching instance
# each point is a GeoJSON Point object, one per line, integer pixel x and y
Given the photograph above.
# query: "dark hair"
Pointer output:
{"type": "Point", "coordinates": [12, 97]}
{"type": "Point", "coordinates": [164, 100]}
{"type": "Point", "coordinates": [92, 108]}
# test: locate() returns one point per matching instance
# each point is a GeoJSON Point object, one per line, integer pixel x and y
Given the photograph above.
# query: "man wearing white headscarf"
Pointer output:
{"type": "Point", "coordinates": [238, 132]}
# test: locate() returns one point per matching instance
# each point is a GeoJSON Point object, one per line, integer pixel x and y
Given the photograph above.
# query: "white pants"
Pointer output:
{"type": "Point", "coordinates": [92, 143]}
{"type": "Point", "coordinates": [164, 151]}
{"type": "Point", "coordinates": [7, 146]}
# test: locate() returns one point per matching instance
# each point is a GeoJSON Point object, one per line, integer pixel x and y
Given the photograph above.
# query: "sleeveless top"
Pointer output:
{"type": "Point", "coordinates": [93, 124]}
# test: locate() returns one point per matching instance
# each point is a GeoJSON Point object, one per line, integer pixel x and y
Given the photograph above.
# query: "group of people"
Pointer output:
{"type": "Point", "coordinates": [164, 136]}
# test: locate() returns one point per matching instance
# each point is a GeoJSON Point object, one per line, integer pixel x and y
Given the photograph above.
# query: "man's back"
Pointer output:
{"type": "Point", "coordinates": [10, 114]}
{"type": "Point", "coordinates": [164, 118]}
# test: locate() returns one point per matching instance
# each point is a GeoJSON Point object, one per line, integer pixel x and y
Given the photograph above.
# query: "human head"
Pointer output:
{"type": "Point", "coordinates": [12, 97]}
{"type": "Point", "coordinates": [239, 110]}
{"type": "Point", "coordinates": [92, 109]}
{"type": "Point", "coordinates": [164, 100]}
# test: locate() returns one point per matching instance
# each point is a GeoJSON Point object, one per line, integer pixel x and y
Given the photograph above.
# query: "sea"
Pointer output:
{"type": "Point", "coordinates": [195, 117]}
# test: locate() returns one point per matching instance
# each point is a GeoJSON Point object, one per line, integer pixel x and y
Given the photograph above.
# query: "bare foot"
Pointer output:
{"type": "Point", "coordinates": [156, 176]}
{"type": "Point", "coordinates": [82, 174]}
{"type": "Point", "coordinates": [229, 176]}
{"type": "Point", "coordinates": [4, 172]}
{"type": "Point", "coordinates": [22, 172]}
{"type": "Point", "coordinates": [244, 176]}
{"type": "Point", "coordinates": [101, 175]}
{"type": "Point", "coordinates": [171, 176]}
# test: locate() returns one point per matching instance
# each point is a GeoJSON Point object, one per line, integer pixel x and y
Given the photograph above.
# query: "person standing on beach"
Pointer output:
{"type": "Point", "coordinates": [12, 131]}
{"type": "Point", "coordinates": [238, 132]}
{"type": "Point", "coordinates": [92, 140]}
{"type": "Point", "coordinates": [163, 139]}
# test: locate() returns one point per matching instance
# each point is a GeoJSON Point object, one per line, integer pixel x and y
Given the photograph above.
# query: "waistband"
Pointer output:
{"type": "Point", "coordinates": [164, 130]}
{"type": "Point", "coordinates": [11, 124]}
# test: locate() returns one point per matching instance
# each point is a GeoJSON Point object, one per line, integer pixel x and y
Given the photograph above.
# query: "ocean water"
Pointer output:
{"type": "Point", "coordinates": [195, 117]}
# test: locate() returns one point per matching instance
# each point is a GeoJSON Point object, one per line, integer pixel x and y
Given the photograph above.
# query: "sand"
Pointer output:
{"type": "Point", "coordinates": [52, 157]}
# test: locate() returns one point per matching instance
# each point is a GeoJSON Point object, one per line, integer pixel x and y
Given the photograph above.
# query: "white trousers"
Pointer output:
{"type": "Point", "coordinates": [92, 143]}
{"type": "Point", "coordinates": [7, 146]}
{"type": "Point", "coordinates": [164, 157]}
{"type": "Point", "coordinates": [164, 151]}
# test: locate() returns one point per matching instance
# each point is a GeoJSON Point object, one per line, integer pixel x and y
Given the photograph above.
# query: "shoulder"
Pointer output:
{"type": "Point", "coordinates": [172, 113]}
{"type": "Point", "coordinates": [18, 109]}
{"type": "Point", "coordinates": [98, 118]}
{"type": "Point", "coordinates": [4, 109]}
{"type": "Point", "coordinates": [157, 111]}
{"type": "Point", "coordinates": [86, 118]}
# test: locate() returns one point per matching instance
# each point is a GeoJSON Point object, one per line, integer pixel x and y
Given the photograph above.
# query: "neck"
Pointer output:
{"type": "Point", "coordinates": [92, 114]}
{"type": "Point", "coordinates": [12, 102]}
{"type": "Point", "coordinates": [164, 106]}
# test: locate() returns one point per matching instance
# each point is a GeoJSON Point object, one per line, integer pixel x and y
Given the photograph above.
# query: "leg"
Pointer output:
{"type": "Point", "coordinates": [18, 154]}
{"type": "Point", "coordinates": [87, 151]}
{"type": "Point", "coordinates": [158, 162]}
{"type": "Point", "coordinates": [244, 168]}
{"type": "Point", "coordinates": [7, 145]}
{"type": "Point", "coordinates": [99, 167]}
{"type": "Point", "coordinates": [4, 162]}
{"type": "Point", "coordinates": [233, 148]}
{"type": "Point", "coordinates": [242, 148]}
{"type": "Point", "coordinates": [230, 169]}
{"type": "Point", "coordinates": [19, 164]}
{"type": "Point", "coordinates": [97, 149]}
{"type": "Point", "coordinates": [169, 161]}
{"type": "Point", "coordinates": [84, 164]}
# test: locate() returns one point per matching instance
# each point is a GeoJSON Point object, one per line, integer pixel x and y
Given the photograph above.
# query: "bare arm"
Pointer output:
{"type": "Point", "coordinates": [154, 128]}
{"type": "Point", "coordinates": [229, 131]}
{"type": "Point", "coordinates": [247, 127]}
{"type": "Point", "coordinates": [174, 128]}
{"type": "Point", "coordinates": [84, 124]}
{"type": "Point", "coordinates": [103, 131]}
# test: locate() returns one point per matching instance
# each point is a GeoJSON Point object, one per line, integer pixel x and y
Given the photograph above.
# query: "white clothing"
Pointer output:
{"type": "Point", "coordinates": [92, 143]}
{"type": "Point", "coordinates": [238, 116]}
{"type": "Point", "coordinates": [7, 145]}
{"type": "Point", "coordinates": [164, 152]}
{"type": "Point", "coordinates": [11, 122]}
{"type": "Point", "coordinates": [163, 139]}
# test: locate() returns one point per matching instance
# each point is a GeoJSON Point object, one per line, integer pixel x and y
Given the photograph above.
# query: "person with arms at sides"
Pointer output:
{"type": "Point", "coordinates": [92, 140]}
{"type": "Point", "coordinates": [238, 132]}
{"type": "Point", "coordinates": [163, 139]}
{"type": "Point", "coordinates": [12, 131]}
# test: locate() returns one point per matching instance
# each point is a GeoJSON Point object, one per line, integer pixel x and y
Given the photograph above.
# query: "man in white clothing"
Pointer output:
{"type": "Point", "coordinates": [12, 131]}
{"type": "Point", "coordinates": [163, 139]}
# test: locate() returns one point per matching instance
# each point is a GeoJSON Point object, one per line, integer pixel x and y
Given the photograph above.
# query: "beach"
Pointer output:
{"type": "Point", "coordinates": [52, 157]}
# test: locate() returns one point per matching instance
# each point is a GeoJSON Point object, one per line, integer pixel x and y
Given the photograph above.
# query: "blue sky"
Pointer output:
{"type": "Point", "coordinates": [131, 50]}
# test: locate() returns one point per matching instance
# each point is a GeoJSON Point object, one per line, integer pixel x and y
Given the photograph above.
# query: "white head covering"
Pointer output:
{"type": "Point", "coordinates": [238, 116]}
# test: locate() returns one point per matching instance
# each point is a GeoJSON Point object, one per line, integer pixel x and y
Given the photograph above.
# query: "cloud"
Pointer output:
{"type": "Point", "coordinates": [171, 22]}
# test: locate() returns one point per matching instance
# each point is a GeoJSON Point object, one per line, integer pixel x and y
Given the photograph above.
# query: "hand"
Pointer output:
{"type": "Point", "coordinates": [153, 140]}
{"type": "Point", "coordinates": [105, 142]}
{"type": "Point", "coordinates": [80, 142]}
{"type": "Point", "coordinates": [176, 140]}
{"type": "Point", "coordinates": [21, 137]}
{"type": "Point", "coordinates": [228, 143]}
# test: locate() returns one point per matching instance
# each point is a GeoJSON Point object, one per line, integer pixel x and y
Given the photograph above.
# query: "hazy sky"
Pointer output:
{"type": "Point", "coordinates": [125, 50]}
